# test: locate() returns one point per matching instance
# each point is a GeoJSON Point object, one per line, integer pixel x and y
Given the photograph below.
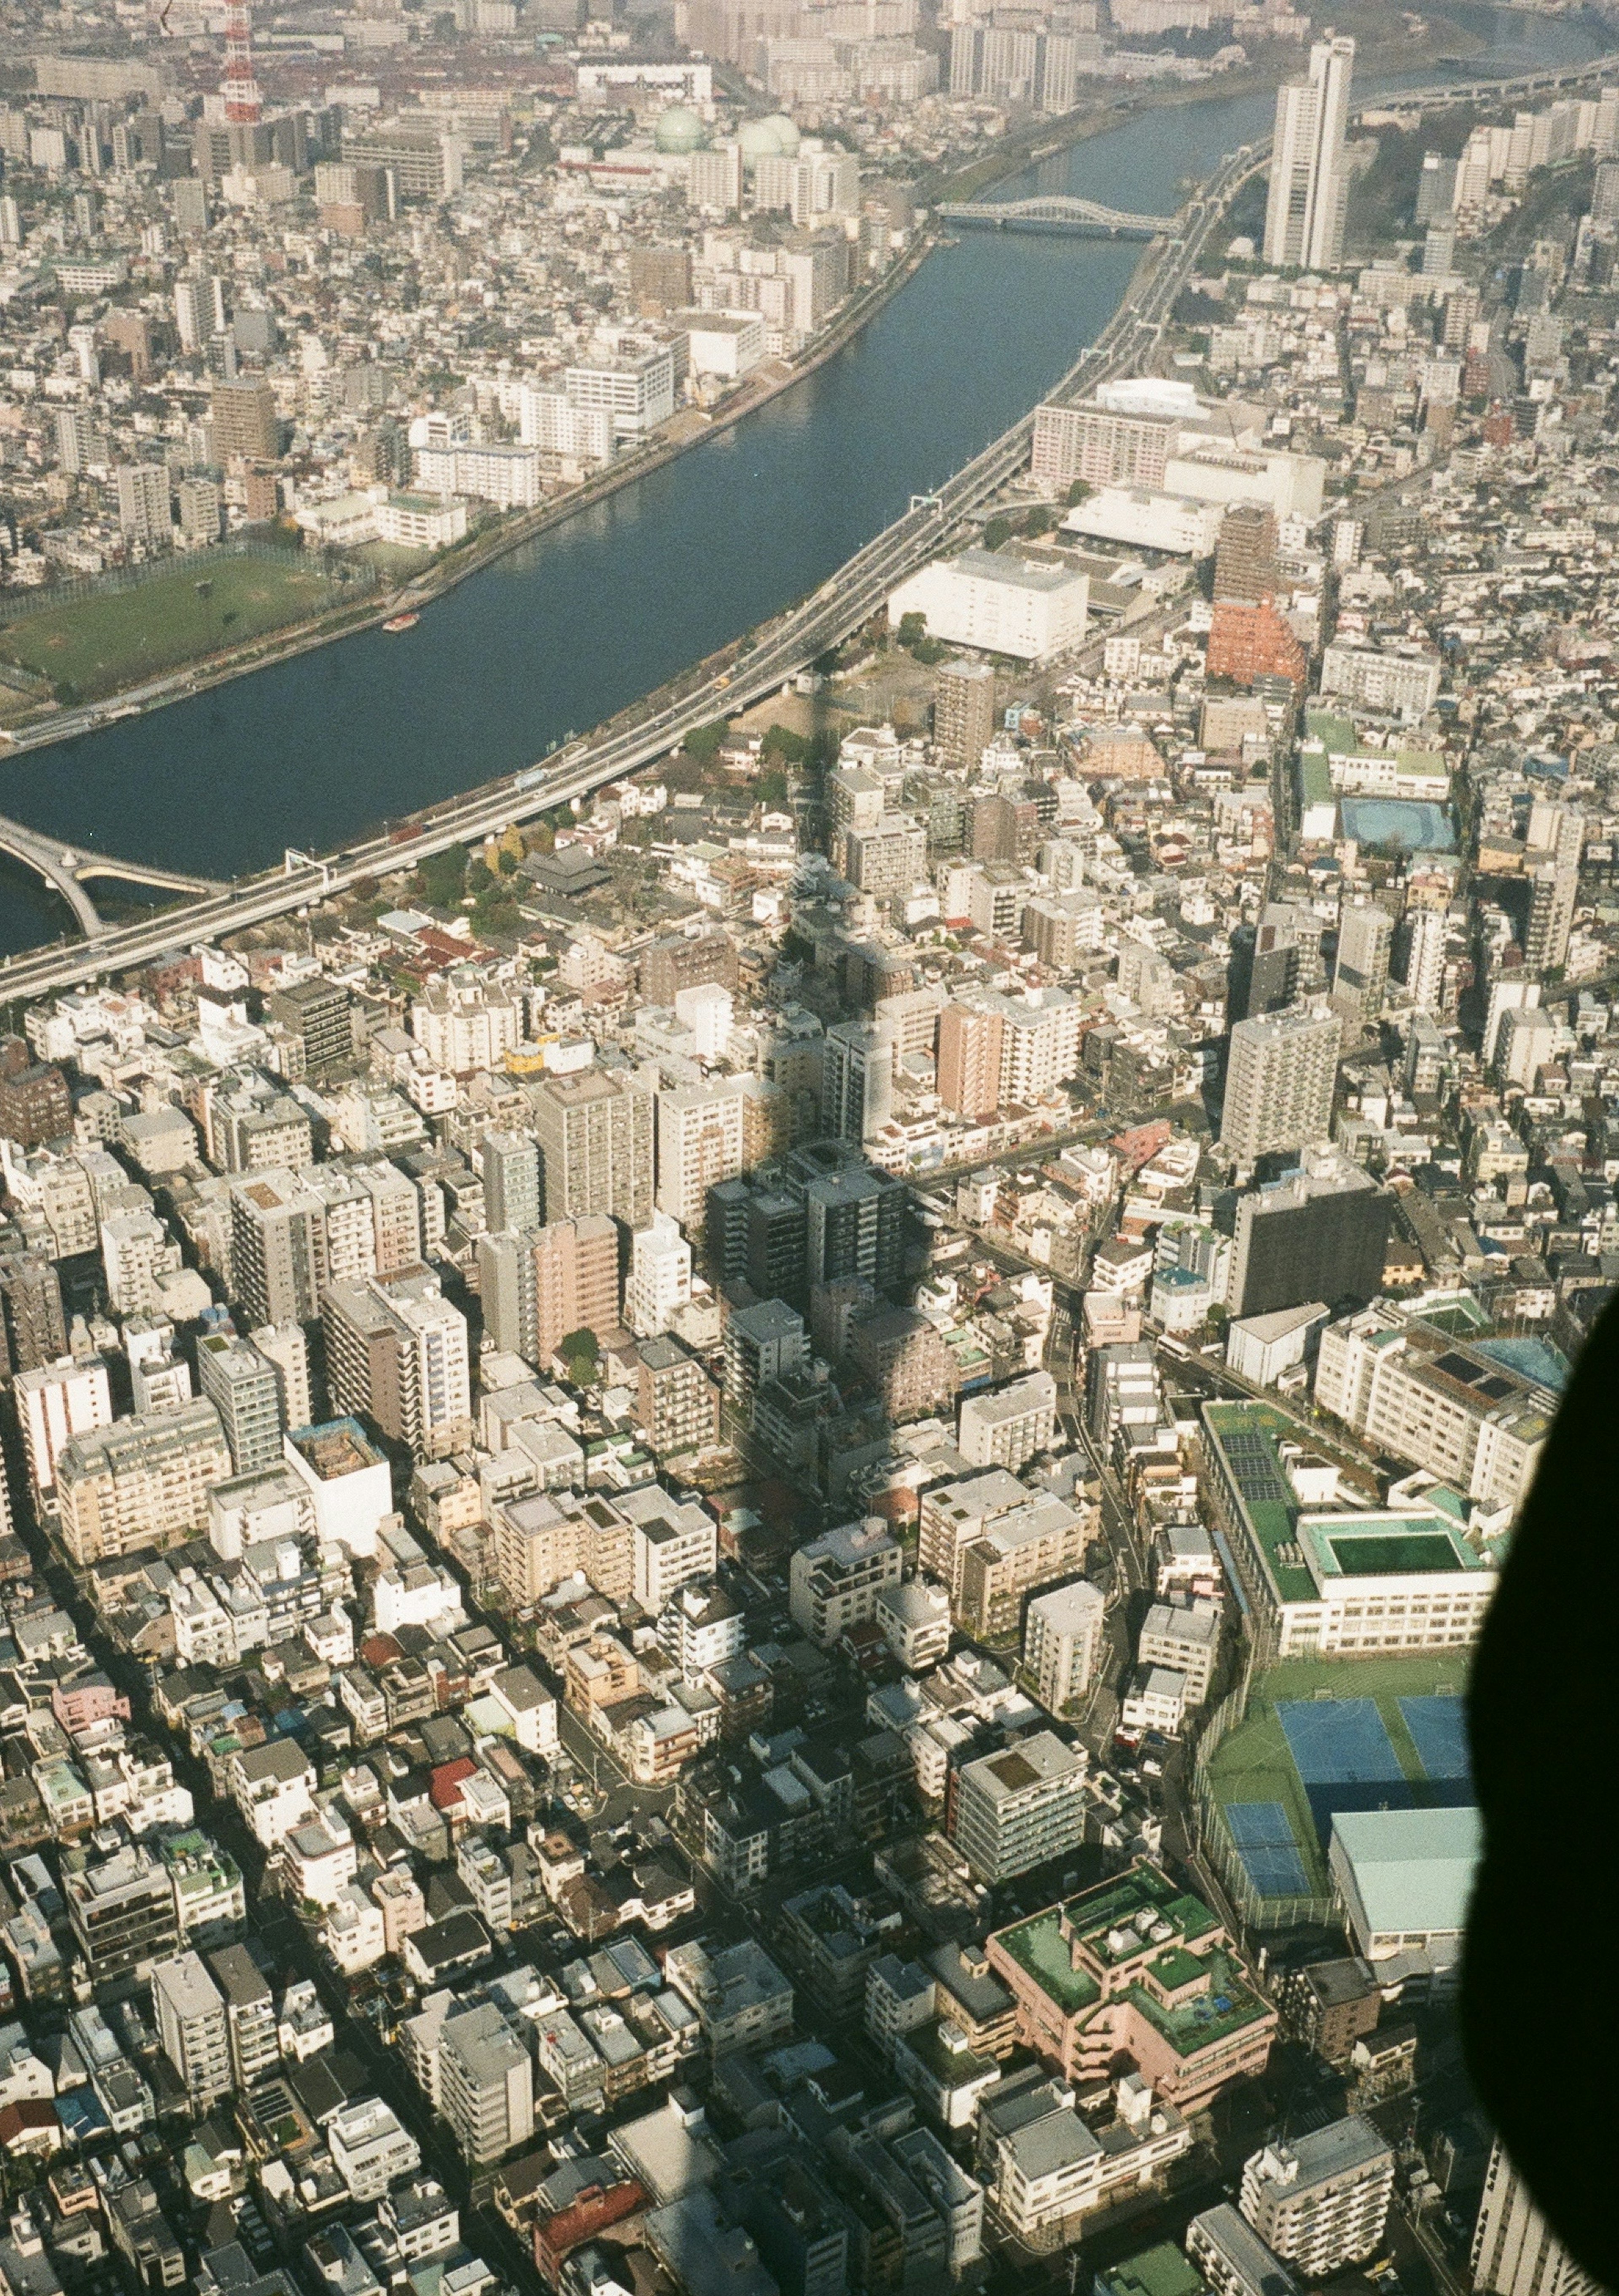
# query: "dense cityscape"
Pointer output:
{"type": "Point", "coordinates": [740, 1534]}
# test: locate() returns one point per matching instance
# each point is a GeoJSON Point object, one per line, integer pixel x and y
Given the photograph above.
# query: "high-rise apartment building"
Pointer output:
{"type": "Point", "coordinates": [595, 1132]}
{"type": "Point", "coordinates": [35, 1103]}
{"type": "Point", "coordinates": [320, 1013]}
{"type": "Point", "coordinates": [660, 1280]}
{"type": "Point", "coordinates": [143, 502]}
{"type": "Point", "coordinates": [1064, 1636]}
{"type": "Point", "coordinates": [55, 1402]}
{"type": "Point", "coordinates": [245, 420]}
{"type": "Point", "coordinates": [140, 1482]}
{"type": "Point", "coordinates": [249, 2014]}
{"type": "Point", "coordinates": [397, 1352]}
{"type": "Point", "coordinates": [998, 1051]}
{"type": "Point", "coordinates": [1321, 1234]}
{"type": "Point", "coordinates": [700, 1143]}
{"type": "Point", "coordinates": [1309, 177]}
{"type": "Point", "coordinates": [761, 1343]}
{"type": "Point", "coordinates": [279, 1261]}
{"type": "Point", "coordinates": [677, 1401]}
{"type": "Point", "coordinates": [576, 1280]}
{"type": "Point", "coordinates": [672, 1541]}
{"type": "Point", "coordinates": [1016, 1809]}
{"type": "Point", "coordinates": [964, 711]}
{"type": "Point", "coordinates": [1245, 559]}
{"type": "Point", "coordinates": [1280, 1076]}
{"type": "Point", "coordinates": [1359, 978]}
{"type": "Point", "coordinates": [485, 2084]}
{"type": "Point", "coordinates": [1320, 2200]}
{"type": "Point", "coordinates": [194, 2028]}
{"type": "Point", "coordinates": [969, 1059]}
{"type": "Point", "coordinates": [510, 1161]}
{"type": "Point", "coordinates": [857, 1079]}
{"type": "Point", "coordinates": [33, 1324]}
{"type": "Point", "coordinates": [245, 1391]}
{"type": "Point", "coordinates": [1515, 2250]}
{"type": "Point", "coordinates": [286, 1350]}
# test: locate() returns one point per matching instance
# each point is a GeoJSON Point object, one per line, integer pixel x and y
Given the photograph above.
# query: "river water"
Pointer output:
{"type": "Point", "coordinates": [560, 634]}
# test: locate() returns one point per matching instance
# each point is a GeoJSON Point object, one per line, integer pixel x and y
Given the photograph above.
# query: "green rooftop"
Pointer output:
{"type": "Point", "coordinates": [1229, 2004]}
{"type": "Point", "coordinates": [1384, 1546]}
{"type": "Point", "coordinates": [1174, 1968]}
{"type": "Point", "coordinates": [1335, 734]}
{"type": "Point", "coordinates": [1248, 1435]}
{"type": "Point", "coordinates": [1160, 2271]}
{"type": "Point", "coordinates": [1038, 1945]}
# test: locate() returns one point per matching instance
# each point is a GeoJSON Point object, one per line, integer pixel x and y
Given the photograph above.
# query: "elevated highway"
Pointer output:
{"type": "Point", "coordinates": [775, 653]}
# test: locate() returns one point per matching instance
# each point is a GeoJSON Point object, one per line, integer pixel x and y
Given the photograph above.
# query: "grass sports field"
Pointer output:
{"type": "Point", "coordinates": [1318, 1736]}
{"type": "Point", "coordinates": [94, 646]}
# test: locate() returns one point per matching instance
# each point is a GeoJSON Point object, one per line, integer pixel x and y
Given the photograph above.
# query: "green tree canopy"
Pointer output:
{"type": "Point", "coordinates": [706, 739]}
{"type": "Point", "coordinates": [582, 1352]}
{"type": "Point", "coordinates": [442, 876]}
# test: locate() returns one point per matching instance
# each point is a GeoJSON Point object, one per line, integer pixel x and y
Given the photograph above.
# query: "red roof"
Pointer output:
{"type": "Point", "coordinates": [380, 1650]}
{"type": "Point", "coordinates": [444, 1791]}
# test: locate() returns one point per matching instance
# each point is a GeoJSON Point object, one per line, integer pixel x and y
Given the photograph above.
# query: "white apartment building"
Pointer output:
{"type": "Point", "coordinates": [1280, 1077]}
{"type": "Point", "coordinates": [1008, 1426]}
{"type": "Point", "coordinates": [463, 1023]}
{"type": "Point", "coordinates": [194, 2028]}
{"type": "Point", "coordinates": [369, 2149]}
{"type": "Point", "coordinates": [1016, 1809]}
{"type": "Point", "coordinates": [1185, 1637]}
{"type": "Point", "coordinates": [273, 1786]}
{"type": "Point", "coordinates": [1321, 2200]}
{"type": "Point", "coordinates": [659, 1280]}
{"type": "Point", "coordinates": [485, 2084]}
{"type": "Point", "coordinates": [835, 1581]}
{"type": "Point", "coordinates": [635, 389]}
{"type": "Point", "coordinates": [1445, 1406]}
{"type": "Point", "coordinates": [1016, 606]}
{"type": "Point", "coordinates": [700, 1142]}
{"type": "Point", "coordinates": [54, 1403]}
{"type": "Point", "coordinates": [506, 476]}
{"type": "Point", "coordinates": [1515, 2250]}
{"type": "Point", "coordinates": [550, 421]}
{"type": "Point", "coordinates": [1406, 684]}
{"type": "Point", "coordinates": [670, 1541]}
{"type": "Point", "coordinates": [1065, 1632]}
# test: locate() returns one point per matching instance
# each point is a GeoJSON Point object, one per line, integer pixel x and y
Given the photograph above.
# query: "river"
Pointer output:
{"type": "Point", "coordinates": [559, 635]}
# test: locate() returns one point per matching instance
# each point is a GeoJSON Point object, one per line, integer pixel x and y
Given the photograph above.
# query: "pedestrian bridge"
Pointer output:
{"type": "Point", "coordinates": [65, 870]}
{"type": "Point", "coordinates": [1056, 211]}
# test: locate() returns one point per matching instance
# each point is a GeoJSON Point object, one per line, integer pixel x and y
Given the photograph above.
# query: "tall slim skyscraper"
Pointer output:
{"type": "Point", "coordinates": [1309, 181]}
{"type": "Point", "coordinates": [1279, 1080]}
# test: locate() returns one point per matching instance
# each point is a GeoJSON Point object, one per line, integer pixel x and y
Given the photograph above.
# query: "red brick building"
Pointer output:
{"type": "Point", "coordinates": [1251, 640]}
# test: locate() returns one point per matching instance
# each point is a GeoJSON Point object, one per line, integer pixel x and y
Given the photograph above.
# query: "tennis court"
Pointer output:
{"type": "Point", "coordinates": [1337, 1741]}
{"type": "Point", "coordinates": [1344, 1758]}
{"type": "Point", "coordinates": [1439, 1732]}
{"type": "Point", "coordinates": [1262, 1833]}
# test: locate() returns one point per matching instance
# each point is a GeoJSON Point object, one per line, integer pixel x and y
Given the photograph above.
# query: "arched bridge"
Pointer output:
{"type": "Point", "coordinates": [65, 870]}
{"type": "Point", "coordinates": [1056, 212]}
